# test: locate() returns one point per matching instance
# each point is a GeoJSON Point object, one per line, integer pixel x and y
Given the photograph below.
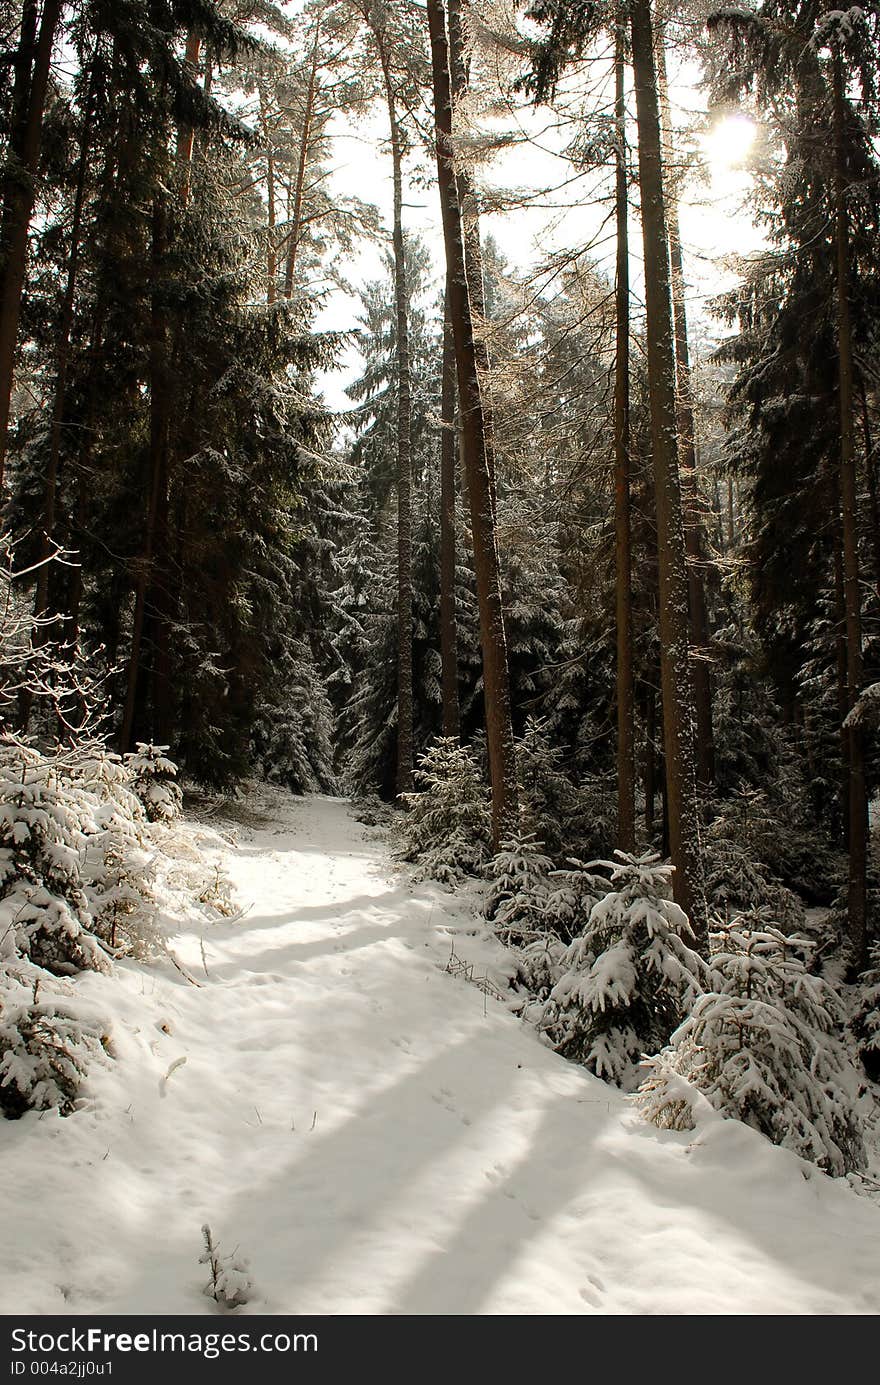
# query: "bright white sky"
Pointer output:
{"type": "Point", "coordinates": [714, 222]}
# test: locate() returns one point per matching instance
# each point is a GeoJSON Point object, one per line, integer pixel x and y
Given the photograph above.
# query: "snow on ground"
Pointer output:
{"type": "Point", "coordinates": [378, 1137]}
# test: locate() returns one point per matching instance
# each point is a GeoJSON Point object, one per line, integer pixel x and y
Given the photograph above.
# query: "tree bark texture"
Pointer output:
{"type": "Point", "coordinates": [295, 215]}
{"type": "Point", "coordinates": [496, 684]}
{"type": "Point", "coordinates": [186, 133]}
{"type": "Point", "coordinates": [626, 770]}
{"type": "Point", "coordinates": [473, 250]}
{"type": "Point", "coordinates": [30, 87]}
{"type": "Point", "coordinates": [695, 539]}
{"type": "Point", "coordinates": [858, 800]}
{"type": "Point", "coordinates": [675, 672]}
{"type": "Point", "coordinates": [448, 453]}
{"type": "Point", "coordinates": [404, 448]}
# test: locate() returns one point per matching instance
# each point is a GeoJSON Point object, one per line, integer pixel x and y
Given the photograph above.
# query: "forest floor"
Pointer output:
{"type": "Point", "coordinates": [376, 1136]}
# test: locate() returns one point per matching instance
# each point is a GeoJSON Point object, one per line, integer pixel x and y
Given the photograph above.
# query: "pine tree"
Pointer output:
{"type": "Point", "coordinates": [629, 977]}
{"type": "Point", "coordinates": [476, 457]}
{"type": "Point", "coordinates": [762, 1046]}
{"type": "Point", "coordinates": [790, 54]}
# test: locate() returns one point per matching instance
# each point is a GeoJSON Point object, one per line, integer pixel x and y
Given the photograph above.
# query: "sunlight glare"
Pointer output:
{"type": "Point", "coordinates": [728, 143]}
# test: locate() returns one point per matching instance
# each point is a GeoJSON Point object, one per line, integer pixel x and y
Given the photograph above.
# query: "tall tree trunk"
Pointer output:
{"type": "Point", "coordinates": [158, 499]}
{"type": "Point", "coordinates": [626, 767]}
{"type": "Point", "coordinates": [19, 193]}
{"type": "Point", "coordinates": [473, 250]}
{"type": "Point", "coordinates": [271, 248]}
{"type": "Point", "coordinates": [695, 541]}
{"type": "Point", "coordinates": [858, 801]}
{"type": "Point", "coordinates": [650, 760]}
{"type": "Point", "coordinates": [63, 360]}
{"type": "Point", "coordinates": [675, 672]}
{"type": "Point", "coordinates": [186, 133]}
{"type": "Point", "coordinates": [840, 680]}
{"type": "Point", "coordinates": [22, 64]}
{"type": "Point", "coordinates": [448, 451]}
{"type": "Point", "coordinates": [404, 448]}
{"type": "Point", "coordinates": [82, 468]}
{"type": "Point", "coordinates": [871, 477]}
{"type": "Point", "coordinates": [496, 684]}
{"type": "Point", "coordinates": [295, 216]}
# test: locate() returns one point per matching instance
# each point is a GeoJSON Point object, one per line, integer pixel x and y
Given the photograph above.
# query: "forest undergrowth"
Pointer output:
{"type": "Point", "coordinates": [759, 1025]}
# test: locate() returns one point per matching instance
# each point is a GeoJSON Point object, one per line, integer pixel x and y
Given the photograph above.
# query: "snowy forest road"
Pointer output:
{"type": "Point", "coordinates": [376, 1137]}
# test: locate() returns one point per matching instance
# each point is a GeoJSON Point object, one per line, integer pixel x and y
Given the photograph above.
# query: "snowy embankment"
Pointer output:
{"type": "Point", "coordinates": [377, 1137]}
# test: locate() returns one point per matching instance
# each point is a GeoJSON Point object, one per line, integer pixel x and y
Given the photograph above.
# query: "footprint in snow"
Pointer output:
{"type": "Point", "coordinates": [593, 1292]}
{"type": "Point", "coordinates": [444, 1098]}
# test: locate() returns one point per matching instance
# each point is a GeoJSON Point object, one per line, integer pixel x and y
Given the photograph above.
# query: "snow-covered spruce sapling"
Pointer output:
{"type": "Point", "coordinates": [45, 1047]}
{"type": "Point", "coordinates": [45, 819]}
{"type": "Point", "coordinates": [540, 964]}
{"type": "Point", "coordinates": [566, 907]}
{"type": "Point", "coordinates": [762, 1045]}
{"type": "Point", "coordinates": [230, 1284]}
{"type": "Point", "coordinates": [519, 876]}
{"type": "Point", "coordinates": [629, 977]}
{"type": "Point", "coordinates": [120, 892]}
{"type": "Point", "coordinates": [447, 827]}
{"type": "Point", "coordinates": [571, 894]}
{"type": "Point", "coordinates": [154, 780]}
{"type": "Point", "coordinates": [117, 861]}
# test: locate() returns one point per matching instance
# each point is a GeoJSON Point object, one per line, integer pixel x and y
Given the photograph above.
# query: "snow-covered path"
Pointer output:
{"type": "Point", "coordinates": [377, 1137]}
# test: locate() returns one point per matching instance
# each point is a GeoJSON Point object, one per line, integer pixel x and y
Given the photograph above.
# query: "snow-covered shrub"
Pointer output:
{"type": "Point", "coordinates": [43, 825]}
{"type": "Point", "coordinates": [865, 1022]}
{"type": "Point", "coordinates": [571, 894]}
{"type": "Point", "coordinates": [117, 857]}
{"type": "Point", "coordinates": [76, 861]}
{"type": "Point", "coordinates": [120, 892]}
{"type": "Point", "coordinates": [77, 881]}
{"type": "Point", "coordinates": [517, 896]}
{"type": "Point", "coordinates": [629, 977]}
{"type": "Point", "coordinates": [45, 1056]}
{"type": "Point", "coordinates": [540, 964]}
{"type": "Point", "coordinates": [217, 892]}
{"type": "Point", "coordinates": [761, 1045]}
{"type": "Point", "coordinates": [61, 685]}
{"type": "Point", "coordinates": [154, 780]}
{"type": "Point", "coordinates": [447, 828]}
{"type": "Point", "coordinates": [559, 905]}
{"type": "Point", "coordinates": [230, 1284]}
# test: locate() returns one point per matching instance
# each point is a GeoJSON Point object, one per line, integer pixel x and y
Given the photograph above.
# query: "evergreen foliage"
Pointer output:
{"type": "Point", "coordinates": [628, 978]}
{"type": "Point", "coordinates": [447, 827]}
{"type": "Point", "coordinates": [46, 1051]}
{"type": "Point", "coordinates": [762, 1044]}
{"type": "Point", "coordinates": [517, 897]}
{"type": "Point", "coordinates": [865, 1021]}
